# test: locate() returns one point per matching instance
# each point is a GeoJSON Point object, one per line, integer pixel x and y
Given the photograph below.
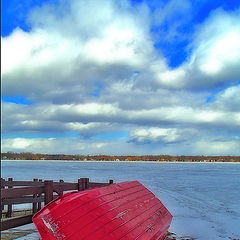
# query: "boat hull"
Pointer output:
{"type": "Point", "coordinates": [125, 211]}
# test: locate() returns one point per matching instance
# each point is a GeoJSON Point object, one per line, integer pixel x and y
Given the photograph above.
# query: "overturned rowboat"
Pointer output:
{"type": "Point", "coordinates": [126, 211]}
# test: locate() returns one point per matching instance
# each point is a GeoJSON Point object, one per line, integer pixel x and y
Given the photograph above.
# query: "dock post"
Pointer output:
{"type": "Point", "coordinates": [48, 187]}
{"type": "Point", "coordinates": [86, 183]}
{"type": "Point", "coordinates": [9, 207]}
{"type": "Point", "coordinates": [39, 204]}
{"type": "Point", "coordinates": [83, 183]}
{"type": "Point", "coordinates": [61, 187]}
{"type": "Point", "coordinates": [34, 205]}
{"type": "Point", "coordinates": [2, 206]}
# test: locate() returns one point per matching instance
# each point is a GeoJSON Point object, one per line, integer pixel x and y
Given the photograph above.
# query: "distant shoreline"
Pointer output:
{"type": "Point", "coordinates": [94, 161]}
{"type": "Point", "coordinates": [118, 158]}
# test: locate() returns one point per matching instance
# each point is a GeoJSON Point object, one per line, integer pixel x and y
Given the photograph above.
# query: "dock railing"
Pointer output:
{"type": "Point", "coordinates": [37, 193]}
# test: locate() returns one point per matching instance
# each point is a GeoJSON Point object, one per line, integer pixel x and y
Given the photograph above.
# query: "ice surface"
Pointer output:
{"type": "Point", "coordinates": [24, 229]}
{"type": "Point", "coordinates": [203, 197]}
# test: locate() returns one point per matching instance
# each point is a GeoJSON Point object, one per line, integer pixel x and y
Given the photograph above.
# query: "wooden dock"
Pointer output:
{"type": "Point", "coordinates": [37, 193]}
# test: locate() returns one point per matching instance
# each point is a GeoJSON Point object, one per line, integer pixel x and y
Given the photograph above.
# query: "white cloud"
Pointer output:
{"type": "Point", "coordinates": [216, 47]}
{"type": "Point", "coordinates": [215, 56]}
{"type": "Point", "coordinates": [20, 143]}
{"type": "Point", "coordinates": [218, 147]}
{"type": "Point", "coordinates": [51, 145]}
{"type": "Point", "coordinates": [51, 56]}
{"type": "Point", "coordinates": [164, 135]}
{"type": "Point", "coordinates": [172, 78]}
{"type": "Point", "coordinates": [228, 100]}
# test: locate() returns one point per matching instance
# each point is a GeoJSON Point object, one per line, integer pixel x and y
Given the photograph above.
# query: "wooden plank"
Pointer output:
{"type": "Point", "coordinates": [2, 182]}
{"type": "Point", "coordinates": [66, 186]}
{"type": "Point", "coordinates": [18, 192]}
{"type": "Point", "coordinates": [95, 184]}
{"type": "Point", "coordinates": [21, 183]}
{"type": "Point", "coordinates": [21, 200]}
{"type": "Point", "coordinates": [15, 222]}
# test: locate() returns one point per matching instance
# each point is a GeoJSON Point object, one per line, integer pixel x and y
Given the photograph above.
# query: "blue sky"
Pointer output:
{"type": "Point", "coordinates": [109, 79]}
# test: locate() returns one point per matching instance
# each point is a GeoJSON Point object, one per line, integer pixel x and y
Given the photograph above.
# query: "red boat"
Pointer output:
{"type": "Point", "coordinates": [122, 211]}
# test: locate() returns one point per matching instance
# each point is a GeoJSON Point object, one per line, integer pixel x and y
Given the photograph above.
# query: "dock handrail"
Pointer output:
{"type": "Point", "coordinates": [36, 192]}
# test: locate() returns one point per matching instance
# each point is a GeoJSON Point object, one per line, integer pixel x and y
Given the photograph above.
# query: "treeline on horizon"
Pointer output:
{"type": "Point", "coordinates": [156, 158]}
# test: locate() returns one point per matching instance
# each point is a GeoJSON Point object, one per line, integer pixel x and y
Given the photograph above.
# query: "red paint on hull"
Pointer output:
{"type": "Point", "coordinates": [123, 211]}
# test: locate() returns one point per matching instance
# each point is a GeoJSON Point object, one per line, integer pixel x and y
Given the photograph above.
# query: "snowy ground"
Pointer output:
{"type": "Point", "coordinates": [26, 232]}
{"type": "Point", "coordinates": [33, 235]}
{"type": "Point", "coordinates": [203, 197]}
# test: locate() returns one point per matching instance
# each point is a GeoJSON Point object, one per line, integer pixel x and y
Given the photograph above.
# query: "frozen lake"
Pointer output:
{"type": "Point", "coordinates": [203, 197]}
